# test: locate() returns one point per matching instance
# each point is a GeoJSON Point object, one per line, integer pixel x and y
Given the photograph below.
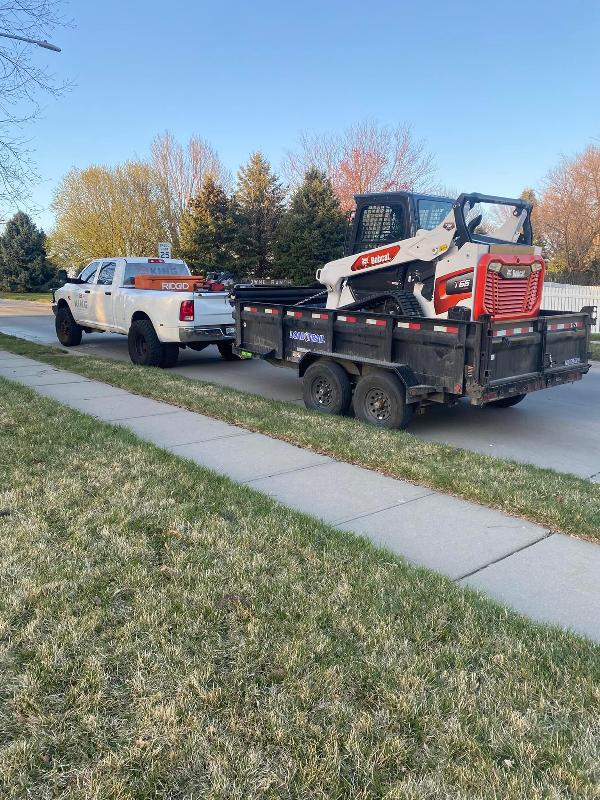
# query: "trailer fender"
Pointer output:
{"type": "Point", "coordinates": [414, 390]}
{"type": "Point", "coordinates": [309, 358]}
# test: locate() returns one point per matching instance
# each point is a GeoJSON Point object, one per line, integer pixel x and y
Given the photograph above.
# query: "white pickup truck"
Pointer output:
{"type": "Point", "coordinates": [157, 322]}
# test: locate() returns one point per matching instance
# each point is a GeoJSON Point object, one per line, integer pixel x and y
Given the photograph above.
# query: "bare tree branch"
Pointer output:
{"type": "Point", "coordinates": [23, 82]}
{"type": "Point", "coordinates": [367, 157]}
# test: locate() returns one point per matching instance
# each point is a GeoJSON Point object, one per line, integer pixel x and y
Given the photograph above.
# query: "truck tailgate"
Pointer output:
{"type": "Point", "coordinates": [212, 308]}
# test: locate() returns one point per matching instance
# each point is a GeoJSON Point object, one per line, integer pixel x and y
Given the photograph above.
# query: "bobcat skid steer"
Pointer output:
{"type": "Point", "coordinates": [428, 256]}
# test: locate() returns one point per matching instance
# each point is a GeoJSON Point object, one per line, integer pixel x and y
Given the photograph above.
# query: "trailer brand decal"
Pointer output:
{"type": "Point", "coordinates": [376, 258]}
{"type": "Point", "coordinates": [449, 226]}
{"type": "Point", "coordinates": [305, 336]}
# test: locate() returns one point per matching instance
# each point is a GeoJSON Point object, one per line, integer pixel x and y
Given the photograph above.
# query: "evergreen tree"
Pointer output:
{"type": "Point", "coordinates": [206, 228]}
{"type": "Point", "coordinates": [312, 230]}
{"type": "Point", "coordinates": [258, 207]}
{"type": "Point", "coordinates": [23, 267]}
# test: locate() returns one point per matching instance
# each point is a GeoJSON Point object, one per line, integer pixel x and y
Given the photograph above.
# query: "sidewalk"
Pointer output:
{"type": "Point", "coordinates": [545, 575]}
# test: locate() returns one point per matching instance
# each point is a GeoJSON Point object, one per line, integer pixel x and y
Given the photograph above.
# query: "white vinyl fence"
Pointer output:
{"type": "Point", "coordinates": [563, 297]}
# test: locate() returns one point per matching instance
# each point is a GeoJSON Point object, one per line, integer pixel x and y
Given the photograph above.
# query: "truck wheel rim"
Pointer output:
{"type": "Point", "coordinates": [378, 405]}
{"type": "Point", "coordinates": [140, 346]}
{"type": "Point", "coordinates": [322, 392]}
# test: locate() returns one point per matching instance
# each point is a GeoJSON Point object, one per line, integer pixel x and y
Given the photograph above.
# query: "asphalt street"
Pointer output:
{"type": "Point", "coordinates": [557, 428]}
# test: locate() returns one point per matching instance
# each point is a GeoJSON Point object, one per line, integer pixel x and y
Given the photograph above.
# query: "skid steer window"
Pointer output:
{"type": "Point", "coordinates": [432, 213]}
{"type": "Point", "coordinates": [379, 224]}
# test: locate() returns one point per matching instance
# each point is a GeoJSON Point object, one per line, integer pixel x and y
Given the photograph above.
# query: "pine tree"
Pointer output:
{"type": "Point", "coordinates": [258, 207]}
{"type": "Point", "coordinates": [24, 267]}
{"type": "Point", "coordinates": [206, 229]}
{"type": "Point", "coordinates": [312, 230]}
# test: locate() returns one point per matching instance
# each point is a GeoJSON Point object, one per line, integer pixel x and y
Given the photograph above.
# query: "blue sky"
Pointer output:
{"type": "Point", "coordinates": [499, 90]}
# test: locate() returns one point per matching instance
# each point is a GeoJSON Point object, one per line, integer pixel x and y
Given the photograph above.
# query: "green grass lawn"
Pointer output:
{"type": "Point", "coordinates": [166, 633]}
{"type": "Point", "coordinates": [36, 297]}
{"type": "Point", "coordinates": [557, 500]}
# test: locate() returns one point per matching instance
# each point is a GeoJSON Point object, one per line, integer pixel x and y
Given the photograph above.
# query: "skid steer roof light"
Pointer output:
{"type": "Point", "coordinates": [494, 266]}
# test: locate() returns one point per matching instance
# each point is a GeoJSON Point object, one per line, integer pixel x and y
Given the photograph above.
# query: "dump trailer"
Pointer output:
{"type": "Point", "coordinates": [451, 311]}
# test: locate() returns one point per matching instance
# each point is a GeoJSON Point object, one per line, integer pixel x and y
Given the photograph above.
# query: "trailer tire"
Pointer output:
{"type": "Point", "coordinates": [380, 400]}
{"type": "Point", "coordinates": [226, 351]}
{"type": "Point", "coordinates": [326, 388]}
{"type": "Point", "coordinates": [507, 402]}
{"type": "Point", "coordinates": [145, 348]}
{"type": "Point", "coordinates": [170, 355]}
{"type": "Point", "coordinates": [68, 332]}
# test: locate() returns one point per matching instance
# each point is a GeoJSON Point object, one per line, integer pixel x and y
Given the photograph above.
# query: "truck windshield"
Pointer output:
{"type": "Point", "coordinates": [144, 268]}
{"type": "Point", "coordinates": [432, 212]}
{"type": "Point", "coordinates": [496, 222]}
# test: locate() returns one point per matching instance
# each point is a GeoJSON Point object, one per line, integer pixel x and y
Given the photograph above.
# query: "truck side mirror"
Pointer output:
{"type": "Point", "coordinates": [62, 276]}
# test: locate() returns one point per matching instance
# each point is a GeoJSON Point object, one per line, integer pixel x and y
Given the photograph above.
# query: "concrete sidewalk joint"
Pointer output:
{"type": "Point", "coordinates": [547, 576]}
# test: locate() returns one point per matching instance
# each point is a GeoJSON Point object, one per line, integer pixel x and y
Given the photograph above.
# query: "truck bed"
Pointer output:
{"type": "Point", "coordinates": [438, 360]}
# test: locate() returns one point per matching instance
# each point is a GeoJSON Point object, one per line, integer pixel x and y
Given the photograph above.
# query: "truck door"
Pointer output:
{"type": "Point", "coordinates": [101, 296]}
{"type": "Point", "coordinates": [82, 294]}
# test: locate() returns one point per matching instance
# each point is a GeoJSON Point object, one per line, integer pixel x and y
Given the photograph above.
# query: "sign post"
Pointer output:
{"type": "Point", "coordinates": [164, 250]}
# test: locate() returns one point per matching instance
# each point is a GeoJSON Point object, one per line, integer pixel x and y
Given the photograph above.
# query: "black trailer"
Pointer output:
{"type": "Point", "coordinates": [388, 366]}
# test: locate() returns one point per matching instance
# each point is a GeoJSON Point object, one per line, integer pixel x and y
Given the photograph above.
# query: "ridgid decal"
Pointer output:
{"type": "Point", "coordinates": [304, 336]}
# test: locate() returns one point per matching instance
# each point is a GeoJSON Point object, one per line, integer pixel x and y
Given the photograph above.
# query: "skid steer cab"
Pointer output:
{"type": "Point", "coordinates": [432, 256]}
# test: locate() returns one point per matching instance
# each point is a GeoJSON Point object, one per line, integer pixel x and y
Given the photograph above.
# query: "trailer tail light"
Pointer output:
{"type": "Point", "coordinates": [156, 261]}
{"type": "Point", "coordinates": [186, 311]}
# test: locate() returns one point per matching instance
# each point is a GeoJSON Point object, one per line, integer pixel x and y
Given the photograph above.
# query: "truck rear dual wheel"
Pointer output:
{"type": "Point", "coordinates": [226, 351]}
{"type": "Point", "coordinates": [146, 349]}
{"type": "Point", "coordinates": [380, 400]}
{"type": "Point", "coordinates": [68, 331]}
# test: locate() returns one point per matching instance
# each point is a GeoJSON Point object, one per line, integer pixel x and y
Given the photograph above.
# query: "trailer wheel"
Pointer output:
{"type": "Point", "coordinates": [227, 354]}
{"type": "Point", "coordinates": [145, 347]}
{"type": "Point", "coordinates": [170, 355]}
{"type": "Point", "coordinates": [68, 331]}
{"type": "Point", "coordinates": [507, 402]}
{"type": "Point", "coordinates": [380, 400]}
{"type": "Point", "coordinates": [326, 388]}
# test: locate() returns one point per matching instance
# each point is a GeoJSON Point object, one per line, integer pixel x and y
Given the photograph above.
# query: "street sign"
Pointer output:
{"type": "Point", "coordinates": [164, 250]}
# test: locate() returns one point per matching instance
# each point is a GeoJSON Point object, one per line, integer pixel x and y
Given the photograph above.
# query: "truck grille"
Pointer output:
{"type": "Point", "coordinates": [506, 296]}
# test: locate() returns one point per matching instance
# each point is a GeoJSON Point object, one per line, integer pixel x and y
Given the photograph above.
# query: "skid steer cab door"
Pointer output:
{"type": "Point", "coordinates": [381, 219]}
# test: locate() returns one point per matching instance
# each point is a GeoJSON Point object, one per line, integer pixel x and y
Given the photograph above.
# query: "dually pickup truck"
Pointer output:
{"type": "Point", "coordinates": [173, 313]}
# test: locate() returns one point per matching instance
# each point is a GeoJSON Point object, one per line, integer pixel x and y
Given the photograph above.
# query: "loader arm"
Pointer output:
{"type": "Point", "coordinates": [424, 246]}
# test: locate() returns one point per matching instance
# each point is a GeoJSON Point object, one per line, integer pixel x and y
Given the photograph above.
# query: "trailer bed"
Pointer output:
{"type": "Point", "coordinates": [437, 360]}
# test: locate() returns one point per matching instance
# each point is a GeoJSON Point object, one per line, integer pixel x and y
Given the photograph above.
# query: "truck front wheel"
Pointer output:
{"type": "Point", "coordinates": [145, 347]}
{"type": "Point", "coordinates": [68, 331]}
{"type": "Point", "coordinates": [380, 400]}
{"type": "Point", "coordinates": [326, 388]}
